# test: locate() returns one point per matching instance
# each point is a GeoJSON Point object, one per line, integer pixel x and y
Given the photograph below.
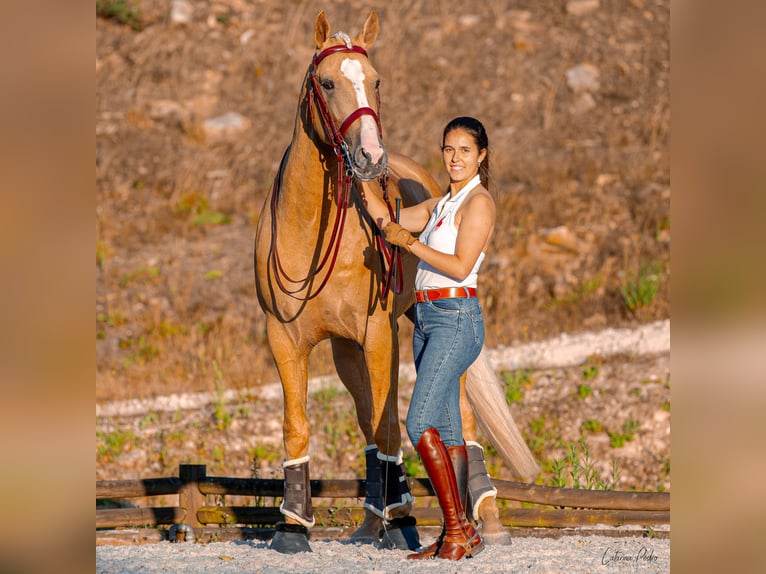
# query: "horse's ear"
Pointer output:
{"type": "Point", "coordinates": [321, 29]}
{"type": "Point", "coordinates": [369, 32]}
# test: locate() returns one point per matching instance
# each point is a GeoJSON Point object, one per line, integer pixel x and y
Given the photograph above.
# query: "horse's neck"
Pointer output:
{"type": "Point", "coordinates": [304, 181]}
{"type": "Point", "coordinates": [303, 178]}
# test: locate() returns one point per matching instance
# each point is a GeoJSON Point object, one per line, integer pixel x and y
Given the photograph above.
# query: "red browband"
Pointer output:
{"type": "Point", "coordinates": [335, 49]}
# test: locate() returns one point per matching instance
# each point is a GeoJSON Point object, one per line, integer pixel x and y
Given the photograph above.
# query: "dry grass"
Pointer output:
{"type": "Point", "coordinates": [173, 296]}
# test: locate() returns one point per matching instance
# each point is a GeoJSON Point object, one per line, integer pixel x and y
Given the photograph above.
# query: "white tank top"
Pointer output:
{"type": "Point", "coordinates": [440, 233]}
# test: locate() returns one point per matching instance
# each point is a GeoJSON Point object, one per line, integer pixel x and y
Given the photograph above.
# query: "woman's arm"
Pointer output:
{"type": "Point", "coordinates": [477, 223]}
{"type": "Point", "coordinates": [413, 218]}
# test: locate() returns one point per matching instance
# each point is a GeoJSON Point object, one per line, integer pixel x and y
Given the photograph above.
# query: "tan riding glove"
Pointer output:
{"type": "Point", "coordinates": [398, 235]}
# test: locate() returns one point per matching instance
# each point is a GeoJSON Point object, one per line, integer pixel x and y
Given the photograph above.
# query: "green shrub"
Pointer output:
{"type": "Point", "coordinates": [119, 11]}
{"type": "Point", "coordinates": [638, 290]}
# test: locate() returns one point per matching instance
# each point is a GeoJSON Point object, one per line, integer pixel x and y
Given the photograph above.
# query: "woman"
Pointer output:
{"type": "Point", "coordinates": [455, 231]}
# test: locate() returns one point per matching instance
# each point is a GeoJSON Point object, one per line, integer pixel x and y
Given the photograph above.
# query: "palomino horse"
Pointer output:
{"type": "Point", "coordinates": [322, 271]}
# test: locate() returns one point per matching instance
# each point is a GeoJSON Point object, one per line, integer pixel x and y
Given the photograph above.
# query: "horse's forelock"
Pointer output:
{"type": "Point", "coordinates": [344, 37]}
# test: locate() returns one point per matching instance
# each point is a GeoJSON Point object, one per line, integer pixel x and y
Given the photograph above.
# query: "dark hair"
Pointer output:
{"type": "Point", "coordinates": [476, 129]}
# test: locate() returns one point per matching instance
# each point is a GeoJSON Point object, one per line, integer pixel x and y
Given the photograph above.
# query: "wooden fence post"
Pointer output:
{"type": "Point", "coordinates": [190, 498]}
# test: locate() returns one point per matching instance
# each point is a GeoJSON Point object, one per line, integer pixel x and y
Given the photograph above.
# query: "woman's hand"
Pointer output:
{"type": "Point", "coordinates": [398, 235]}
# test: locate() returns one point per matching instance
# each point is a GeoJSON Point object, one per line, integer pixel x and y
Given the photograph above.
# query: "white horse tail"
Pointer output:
{"type": "Point", "coordinates": [487, 398]}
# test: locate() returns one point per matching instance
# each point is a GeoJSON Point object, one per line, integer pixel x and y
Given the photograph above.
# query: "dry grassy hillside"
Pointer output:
{"type": "Point", "coordinates": [575, 97]}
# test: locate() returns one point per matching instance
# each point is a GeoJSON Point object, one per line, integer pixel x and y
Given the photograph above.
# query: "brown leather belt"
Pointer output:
{"type": "Point", "coordinates": [433, 294]}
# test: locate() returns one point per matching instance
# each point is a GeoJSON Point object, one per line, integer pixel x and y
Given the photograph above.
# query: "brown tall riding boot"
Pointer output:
{"type": "Point", "coordinates": [458, 456]}
{"type": "Point", "coordinates": [459, 538]}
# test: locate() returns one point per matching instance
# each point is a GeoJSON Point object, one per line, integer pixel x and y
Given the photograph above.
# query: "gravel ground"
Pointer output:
{"type": "Point", "coordinates": [572, 553]}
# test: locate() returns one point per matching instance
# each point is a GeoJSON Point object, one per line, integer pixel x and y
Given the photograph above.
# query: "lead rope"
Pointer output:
{"type": "Point", "coordinates": [395, 254]}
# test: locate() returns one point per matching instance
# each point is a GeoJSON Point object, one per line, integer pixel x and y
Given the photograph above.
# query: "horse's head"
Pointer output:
{"type": "Point", "coordinates": [344, 89]}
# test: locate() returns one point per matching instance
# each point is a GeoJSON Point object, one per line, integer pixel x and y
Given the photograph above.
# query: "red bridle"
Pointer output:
{"type": "Point", "coordinates": [336, 136]}
{"type": "Point", "coordinates": [334, 132]}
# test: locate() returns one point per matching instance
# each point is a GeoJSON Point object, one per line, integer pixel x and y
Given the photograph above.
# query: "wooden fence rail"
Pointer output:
{"type": "Point", "coordinates": [558, 507]}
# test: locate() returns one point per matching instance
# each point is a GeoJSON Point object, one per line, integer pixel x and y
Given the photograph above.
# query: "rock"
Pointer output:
{"type": "Point", "coordinates": [581, 7]}
{"type": "Point", "coordinates": [583, 104]}
{"type": "Point", "coordinates": [246, 36]}
{"type": "Point", "coordinates": [181, 12]}
{"type": "Point", "coordinates": [469, 20]}
{"type": "Point", "coordinates": [583, 78]}
{"type": "Point", "coordinates": [563, 237]}
{"type": "Point", "coordinates": [167, 109]}
{"type": "Point", "coordinates": [224, 127]}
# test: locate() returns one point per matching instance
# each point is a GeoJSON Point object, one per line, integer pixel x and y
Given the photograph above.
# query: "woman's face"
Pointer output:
{"type": "Point", "coordinates": [461, 155]}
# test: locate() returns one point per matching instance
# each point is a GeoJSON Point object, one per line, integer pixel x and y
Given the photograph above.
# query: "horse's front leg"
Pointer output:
{"type": "Point", "coordinates": [291, 536]}
{"type": "Point", "coordinates": [481, 506]}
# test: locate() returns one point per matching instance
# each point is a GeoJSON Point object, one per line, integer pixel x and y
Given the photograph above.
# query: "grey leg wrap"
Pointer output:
{"type": "Point", "coordinates": [479, 483]}
{"type": "Point", "coordinates": [373, 489]}
{"type": "Point", "coordinates": [297, 501]}
{"type": "Point", "coordinates": [396, 489]}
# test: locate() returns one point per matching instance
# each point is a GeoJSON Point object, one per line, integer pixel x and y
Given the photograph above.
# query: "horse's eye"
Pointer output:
{"type": "Point", "coordinates": [328, 84]}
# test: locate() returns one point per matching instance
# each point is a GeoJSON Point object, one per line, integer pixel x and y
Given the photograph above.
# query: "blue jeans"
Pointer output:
{"type": "Point", "coordinates": [448, 337]}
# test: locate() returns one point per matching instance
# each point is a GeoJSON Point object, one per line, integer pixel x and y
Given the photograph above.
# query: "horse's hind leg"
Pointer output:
{"type": "Point", "coordinates": [352, 370]}
{"type": "Point", "coordinates": [482, 496]}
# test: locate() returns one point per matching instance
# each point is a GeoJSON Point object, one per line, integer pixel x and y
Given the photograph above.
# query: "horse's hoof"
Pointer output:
{"type": "Point", "coordinates": [501, 538]}
{"type": "Point", "coordinates": [400, 534]}
{"type": "Point", "coordinates": [363, 539]}
{"type": "Point", "coordinates": [290, 538]}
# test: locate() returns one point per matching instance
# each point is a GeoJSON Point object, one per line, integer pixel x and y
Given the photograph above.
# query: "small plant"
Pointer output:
{"type": "Point", "coordinates": [638, 290]}
{"type": "Point", "coordinates": [112, 444]}
{"type": "Point", "coordinates": [150, 418]}
{"type": "Point", "coordinates": [586, 288]}
{"type": "Point", "coordinates": [142, 351]}
{"type": "Point", "coordinates": [111, 319]}
{"type": "Point", "coordinates": [412, 465]}
{"type": "Point", "coordinates": [629, 428]}
{"type": "Point", "coordinates": [515, 384]}
{"type": "Point", "coordinates": [661, 226]}
{"type": "Point", "coordinates": [197, 205]}
{"type": "Point", "coordinates": [539, 436]}
{"type": "Point", "coordinates": [270, 454]}
{"type": "Point", "coordinates": [144, 274]}
{"type": "Point", "coordinates": [211, 218]}
{"type": "Point", "coordinates": [578, 470]}
{"type": "Point", "coordinates": [119, 11]}
{"type": "Point", "coordinates": [584, 391]}
{"type": "Point", "coordinates": [100, 254]}
{"type": "Point", "coordinates": [203, 328]}
{"type": "Point", "coordinates": [326, 397]}
{"type": "Point", "coordinates": [213, 274]}
{"type": "Point", "coordinates": [341, 429]}
{"type": "Point", "coordinates": [167, 329]}
{"type": "Point", "coordinates": [222, 414]}
{"type": "Point", "coordinates": [592, 425]}
{"type": "Point", "coordinates": [591, 370]}
{"type": "Point", "coordinates": [219, 454]}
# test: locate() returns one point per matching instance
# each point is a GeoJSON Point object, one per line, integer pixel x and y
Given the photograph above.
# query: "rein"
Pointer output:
{"type": "Point", "coordinates": [391, 259]}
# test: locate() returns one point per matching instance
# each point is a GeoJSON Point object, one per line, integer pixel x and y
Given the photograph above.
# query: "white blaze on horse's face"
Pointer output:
{"type": "Point", "coordinates": [352, 69]}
